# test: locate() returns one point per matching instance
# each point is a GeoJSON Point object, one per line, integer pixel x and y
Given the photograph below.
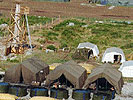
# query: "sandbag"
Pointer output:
{"type": "Point", "coordinates": [59, 93]}
{"type": "Point", "coordinates": [42, 98]}
{"type": "Point", "coordinates": [80, 94]}
{"type": "Point", "coordinates": [4, 87]}
{"type": "Point", "coordinates": [7, 97]}
{"type": "Point", "coordinates": [39, 92]}
{"type": "Point", "coordinates": [18, 91]}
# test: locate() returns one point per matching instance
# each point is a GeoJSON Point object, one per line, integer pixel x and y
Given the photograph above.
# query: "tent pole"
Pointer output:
{"type": "Point", "coordinates": [28, 31]}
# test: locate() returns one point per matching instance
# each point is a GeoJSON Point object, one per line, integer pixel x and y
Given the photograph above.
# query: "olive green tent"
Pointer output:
{"type": "Point", "coordinates": [72, 72]}
{"type": "Point", "coordinates": [112, 75]}
{"type": "Point", "coordinates": [30, 70]}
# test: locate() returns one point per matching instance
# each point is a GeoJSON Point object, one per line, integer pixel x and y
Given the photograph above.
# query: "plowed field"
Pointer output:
{"type": "Point", "coordinates": [69, 9]}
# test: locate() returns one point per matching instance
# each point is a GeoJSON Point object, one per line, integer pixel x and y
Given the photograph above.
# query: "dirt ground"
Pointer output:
{"type": "Point", "coordinates": [74, 8]}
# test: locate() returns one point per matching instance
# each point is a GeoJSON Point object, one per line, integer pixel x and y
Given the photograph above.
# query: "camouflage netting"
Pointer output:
{"type": "Point", "coordinates": [81, 54]}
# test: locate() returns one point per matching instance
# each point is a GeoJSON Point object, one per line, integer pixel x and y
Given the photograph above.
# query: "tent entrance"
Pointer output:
{"type": "Point", "coordinates": [90, 54]}
{"type": "Point", "coordinates": [21, 78]}
{"type": "Point", "coordinates": [63, 82]}
{"type": "Point", "coordinates": [1, 76]}
{"type": "Point", "coordinates": [117, 58]}
{"type": "Point", "coordinates": [103, 85]}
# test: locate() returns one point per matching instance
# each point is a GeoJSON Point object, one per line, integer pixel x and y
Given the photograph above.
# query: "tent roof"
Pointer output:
{"type": "Point", "coordinates": [34, 64]}
{"type": "Point", "coordinates": [109, 70]}
{"type": "Point", "coordinates": [71, 67]}
{"type": "Point", "coordinates": [127, 63]}
{"type": "Point", "coordinates": [112, 75]}
{"type": "Point", "coordinates": [71, 70]}
{"type": "Point", "coordinates": [114, 49]}
{"type": "Point", "coordinates": [86, 45]}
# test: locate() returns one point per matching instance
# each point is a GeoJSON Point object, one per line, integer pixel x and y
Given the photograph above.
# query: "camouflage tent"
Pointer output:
{"type": "Point", "coordinates": [86, 50]}
{"type": "Point", "coordinates": [112, 75]}
{"type": "Point", "coordinates": [72, 71]}
{"type": "Point", "coordinates": [30, 70]}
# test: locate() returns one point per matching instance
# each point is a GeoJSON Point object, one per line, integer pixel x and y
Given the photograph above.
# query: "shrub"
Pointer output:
{"type": "Point", "coordinates": [66, 22]}
{"type": "Point", "coordinates": [51, 35]}
{"type": "Point", "coordinates": [1, 33]}
{"type": "Point", "coordinates": [130, 45]}
{"type": "Point", "coordinates": [129, 36]}
{"type": "Point", "coordinates": [40, 48]}
{"type": "Point", "coordinates": [63, 45]}
{"type": "Point", "coordinates": [115, 35]}
{"type": "Point", "coordinates": [35, 20]}
{"type": "Point", "coordinates": [42, 41]}
{"type": "Point", "coordinates": [13, 61]}
{"type": "Point", "coordinates": [51, 47]}
{"type": "Point", "coordinates": [4, 21]}
{"type": "Point", "coordinates": [68, 33]}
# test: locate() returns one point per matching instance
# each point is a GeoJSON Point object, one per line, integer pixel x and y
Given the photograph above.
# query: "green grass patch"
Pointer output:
{"type": "Point", "coordinates": [38, 20]}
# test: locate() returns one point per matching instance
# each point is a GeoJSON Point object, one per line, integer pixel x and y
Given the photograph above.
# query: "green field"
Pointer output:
{"type": "Point", "coordinates": [107, 34]}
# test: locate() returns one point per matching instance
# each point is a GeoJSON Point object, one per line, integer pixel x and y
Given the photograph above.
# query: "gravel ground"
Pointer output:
{"type": "Point", "coordinates": [127, 92]}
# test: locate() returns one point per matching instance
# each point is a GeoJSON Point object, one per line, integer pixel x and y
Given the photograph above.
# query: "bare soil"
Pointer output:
{"type": "Point", "coordinates": [69, 9]}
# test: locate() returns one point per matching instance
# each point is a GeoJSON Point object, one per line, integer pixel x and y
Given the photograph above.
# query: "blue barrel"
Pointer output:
{"type": "Point", "coordinates": [19, 91]}
{"type": "Point", "coordinates": [39, 92]}
{"type": "Point", "coordinates": [80, 94]}
{"type": "Point", "coordinates": [4, 87]}
{"type": "Point", "coordinates": [59, 93]}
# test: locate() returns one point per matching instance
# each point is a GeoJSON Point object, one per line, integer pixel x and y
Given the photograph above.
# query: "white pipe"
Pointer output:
{"type": "Point", "coordinates": [16, 30]}
{"type": "Point", "coordinates": [28, 31]}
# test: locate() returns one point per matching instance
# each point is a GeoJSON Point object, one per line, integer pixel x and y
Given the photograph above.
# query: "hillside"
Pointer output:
{"type": "Point", "coordinates": [104, 33]}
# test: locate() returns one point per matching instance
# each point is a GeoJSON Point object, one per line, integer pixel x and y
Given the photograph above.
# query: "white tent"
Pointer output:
{"type": "Point", "coordinates": [112, 55]}
{"type": "Point", "coordinates": [91, 46]}
{"type": "Point", "coordinates": [127, 69]}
